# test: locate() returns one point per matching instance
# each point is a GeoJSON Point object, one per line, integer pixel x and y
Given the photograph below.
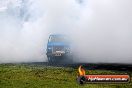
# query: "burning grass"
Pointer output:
{"type": "Point", "coordinates": [36, 76]}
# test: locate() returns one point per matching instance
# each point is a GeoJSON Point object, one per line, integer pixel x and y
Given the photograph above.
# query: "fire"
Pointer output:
{"type": "Point", "coordinates": [81, 71]}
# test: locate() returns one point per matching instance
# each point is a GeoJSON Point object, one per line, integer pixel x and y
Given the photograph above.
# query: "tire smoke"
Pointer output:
{"type": "Point", "coordinates": [100, 30]}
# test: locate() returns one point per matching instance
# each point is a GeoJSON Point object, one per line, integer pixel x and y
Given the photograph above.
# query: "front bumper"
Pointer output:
{"type": "Point", "coordinates": [57, 53]}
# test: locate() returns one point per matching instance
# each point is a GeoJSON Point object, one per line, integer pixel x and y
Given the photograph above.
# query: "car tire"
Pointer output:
{"type": "Point", "coordinates": [50, 59]}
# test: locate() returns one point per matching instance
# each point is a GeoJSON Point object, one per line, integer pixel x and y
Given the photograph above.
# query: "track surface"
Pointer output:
{"type": "Point", "coordinates": [101, 66]}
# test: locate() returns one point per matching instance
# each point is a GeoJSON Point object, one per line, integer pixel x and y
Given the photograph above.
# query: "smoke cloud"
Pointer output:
{"type": "Point", "coordinates": [100, 30]}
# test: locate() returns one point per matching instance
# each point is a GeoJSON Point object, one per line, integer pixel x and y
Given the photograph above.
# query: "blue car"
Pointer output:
{"type": "Point", "coordinates": [58, 48]}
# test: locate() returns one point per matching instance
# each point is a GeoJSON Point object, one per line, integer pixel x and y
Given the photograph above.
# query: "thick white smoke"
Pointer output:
{"type": "Point", "coordinates": [104, 31]}
{"type": "Point", "coordinates": [100, 29]}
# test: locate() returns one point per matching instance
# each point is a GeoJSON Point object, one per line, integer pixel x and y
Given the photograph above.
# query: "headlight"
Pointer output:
{"type": "Point", "coordinates": [49, 48]}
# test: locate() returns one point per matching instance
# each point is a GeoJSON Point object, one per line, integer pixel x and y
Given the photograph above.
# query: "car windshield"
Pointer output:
{"type": "Point", "coordinates": [57, 39]}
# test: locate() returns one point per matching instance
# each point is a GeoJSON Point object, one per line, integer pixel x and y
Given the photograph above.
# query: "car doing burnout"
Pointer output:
{"type": "Point", "coordinates": [58, 48]}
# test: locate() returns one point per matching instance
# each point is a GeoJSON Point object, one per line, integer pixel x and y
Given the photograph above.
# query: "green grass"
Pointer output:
{"type": "Point", "coordinates": [31, 76]}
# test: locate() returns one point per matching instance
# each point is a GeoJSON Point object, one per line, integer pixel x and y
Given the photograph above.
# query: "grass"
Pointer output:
{"type": "Point", "coordinates": [31, 76]}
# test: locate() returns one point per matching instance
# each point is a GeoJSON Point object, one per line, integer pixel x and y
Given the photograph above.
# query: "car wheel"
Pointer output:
{"type": "Point", "coordinates": [50, 59]}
